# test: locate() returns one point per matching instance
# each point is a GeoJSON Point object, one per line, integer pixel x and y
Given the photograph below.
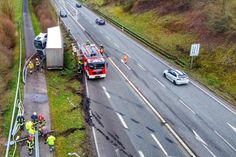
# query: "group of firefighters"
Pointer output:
{"type": "Point", "coordinates": [31, 66]}
{"type": "Point", "coordinates": [37, 122]}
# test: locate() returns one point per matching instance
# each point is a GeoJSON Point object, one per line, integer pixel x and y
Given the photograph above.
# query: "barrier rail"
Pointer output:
{"type": "Point", "coordinates": [141, 39]}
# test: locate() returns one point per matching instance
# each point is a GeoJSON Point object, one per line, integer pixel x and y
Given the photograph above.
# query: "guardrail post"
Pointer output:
{"type": "Point", "coordinates": [36, 144]}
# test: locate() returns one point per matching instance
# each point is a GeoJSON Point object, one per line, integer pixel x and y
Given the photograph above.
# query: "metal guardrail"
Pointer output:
{"type": "Point", "coordinates": [141, 39]}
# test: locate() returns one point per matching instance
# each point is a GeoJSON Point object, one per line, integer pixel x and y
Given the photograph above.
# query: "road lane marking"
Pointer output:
{"type": "Point", "coordinates": [117, 152]}
{"type": "Point", "coordinates": [199, 138]}
{"type": "Point", "coordinates": [159, 82]}
{"type": "Point", "coordinates": [108, 37]}
{"type": "Point", "coordinates": [105, 90]}
{"type": "Point", "coordinates": [122, 120]}
{"type": "Point", "coordinates": [178, 138]}
{"type": "Point", "coordinates": [186, 106]}
{"type": "Point", "coordinates": [232, 127]}
{"type": "Point", "coordinates": [209, 151]}
{"type": "Point", "coordinates": [225, 140]}
{"type": "Point", "coordinates": [116, 45]}
{"type": "Point", "coordinates": [141, 67]}
{"type": "Point", "coordinates": [125, 64]}
{"type": "Point", "coordinates": [101, 31]}
{"type": "Point", "coordinates": [159, 144]}
{"type": "Point", "coordinates": [141, 153]}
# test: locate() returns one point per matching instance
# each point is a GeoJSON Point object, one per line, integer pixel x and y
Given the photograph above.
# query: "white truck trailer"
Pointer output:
{"type": "Point", "coordinates": [54, 49]}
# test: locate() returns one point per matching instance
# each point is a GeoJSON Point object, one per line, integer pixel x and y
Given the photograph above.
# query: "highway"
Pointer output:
{"type": "Point", "coordinates": [205, 123]}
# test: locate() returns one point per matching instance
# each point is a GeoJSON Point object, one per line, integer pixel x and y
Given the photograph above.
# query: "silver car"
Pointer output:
{"type": "Point", "coordinates": [176, 76]}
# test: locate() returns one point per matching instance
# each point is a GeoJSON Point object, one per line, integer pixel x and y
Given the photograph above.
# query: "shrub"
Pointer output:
{"type": "Point", "coordinates": [7, 8]}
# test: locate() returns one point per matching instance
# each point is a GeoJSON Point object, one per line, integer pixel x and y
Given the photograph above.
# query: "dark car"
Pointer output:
{"type": "Point", "coordinates": [100, 21]}
{"type": "Point", "coordinates": [63, 13]}
{"type": "Point", "coordinates": [78, 5]}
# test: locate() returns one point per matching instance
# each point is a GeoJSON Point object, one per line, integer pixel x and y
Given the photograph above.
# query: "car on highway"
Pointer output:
{"type": "Point", "coordinates": [63, 13]}
{"type": "Point", "coordinates": [176, 76]}
{"type": "Point", "coordinates": [78, 5]}
{"type": "Point", "coordinates": [100, 21]}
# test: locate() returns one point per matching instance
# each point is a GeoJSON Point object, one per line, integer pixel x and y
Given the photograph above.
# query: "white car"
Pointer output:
{"type": "Point", "coordinates": [176, 76]}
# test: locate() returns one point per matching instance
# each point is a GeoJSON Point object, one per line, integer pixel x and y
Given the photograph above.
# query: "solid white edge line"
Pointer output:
{"type": "Point", "coordinates": [116, 45]}
{"type": "Point", "coordinates": [159, 82]}
{"type": "Point", "coordinates": [222, 104]}
{"type": "Point", "coordinates": [155, 111]}
{"type": "Point", "coordinates": [231, 126]}
{"type": "Point", "coordinates": [140, 153]}
{"type": "Point", "coordinates": [186, 106]}
{"type": "Point", "coordinates": [105, 90]}
{"type": "Point", "coordinates": [159, 144]}
{"type": "Point", "coordinates": [141, 67]}
{"type": "Point", "coordinates": [122, 120]}
{"type": "Point", "coordinates": [209, 151]}
{"type": "Point", "coordinates": [225, 140]}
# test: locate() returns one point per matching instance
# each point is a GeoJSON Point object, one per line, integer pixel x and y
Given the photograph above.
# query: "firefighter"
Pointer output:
{"type": "Point", "coordinates": [80, 64]}
{"type": "Point", "coordinates": [41, 122]}
{"type": "Point", "coordinates": [30, 144]}
{"type": "Point", "coordinates": [51, 142]}
{"type": "Point", "coordinates": [28, 125]}
{"type": "Point", "coordinates": [34, 119]}
{"type": "Point", "coordinates": [31, 67]}
{"type": "Point", "coordinates": [44, 133]}
{"type": "Point", "coordinates": [31, 131]}
{"type": "Point", "coordinates": [21, 121]}
{"type": "Point", "coordinates": [37, 64]}
{"type": "Point", "coordinates": [101, 49]}
{"type": "Point", "coordinates": [125, 58]}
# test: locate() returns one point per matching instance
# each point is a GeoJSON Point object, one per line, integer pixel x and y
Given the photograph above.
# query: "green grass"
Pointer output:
{"type": "Point", "coordinates": [62, 85]}
{"type": "Point", "coordinates": [9, 96]}
{"type": "Point", "coordinates": [34, 20]}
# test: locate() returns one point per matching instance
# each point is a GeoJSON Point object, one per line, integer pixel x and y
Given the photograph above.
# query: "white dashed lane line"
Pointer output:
{"type": "Point", "coordinates": [159, 82]}
{"type": "Point", "coordinates": [141, 153]}
{"type": "Point", "coordinates": [187, 106]}
{"type": "Point", "coordinates": [225, 140]}
{"type": "Point", "coordinates": [232, 127]}
{"type": "Point", "coordinates": [107, 94]}
{"type": "Point", "coordinates": [141, 67]}
{"type": "Point", "coordinates": [122, 121]}
{"type": "Point", "coordinates": [159, 144]}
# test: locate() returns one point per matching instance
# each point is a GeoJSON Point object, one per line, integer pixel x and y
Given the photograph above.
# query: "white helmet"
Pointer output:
{"type": "Point", "coordinates": [35, 113]}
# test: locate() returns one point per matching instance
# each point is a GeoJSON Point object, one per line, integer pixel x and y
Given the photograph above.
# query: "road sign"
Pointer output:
{"type": "Point", "coordinates": [194, 49]}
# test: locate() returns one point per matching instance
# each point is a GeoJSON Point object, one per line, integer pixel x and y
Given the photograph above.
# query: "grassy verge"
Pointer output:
{"type": "Point", "coordinates": [66, 120]}
{"type": "Point", "coordinates": [34, 20]}
{"type": "Point", "coordinates": [9, 96]}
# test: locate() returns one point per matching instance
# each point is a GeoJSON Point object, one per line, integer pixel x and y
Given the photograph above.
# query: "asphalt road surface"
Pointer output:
{"type": "Point", "coordinates": [35, 90]}
{"type": "Point", "coordinates": [206, 123]}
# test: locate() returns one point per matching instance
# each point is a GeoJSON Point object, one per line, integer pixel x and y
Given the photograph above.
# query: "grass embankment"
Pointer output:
{"type": "Point", "coordinates": [7, 98]}
{"type": "Point", "coordinates": [34, 20]}
{"type": "Point", "coordinates": [175, 31]}
{"type": "Point", "coordinates": [67, 121]}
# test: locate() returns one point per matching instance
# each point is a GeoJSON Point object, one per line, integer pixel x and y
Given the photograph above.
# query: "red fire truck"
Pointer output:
{"type": "Point", "coordinates": [94, 63]}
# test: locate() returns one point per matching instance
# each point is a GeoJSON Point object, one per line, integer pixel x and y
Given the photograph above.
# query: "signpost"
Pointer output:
{"type": "Point", "coordinates": [194, 52]}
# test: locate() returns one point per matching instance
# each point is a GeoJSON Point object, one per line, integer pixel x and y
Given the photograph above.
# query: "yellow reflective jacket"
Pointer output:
{"type": "Point", "coordinates": [50, 140]}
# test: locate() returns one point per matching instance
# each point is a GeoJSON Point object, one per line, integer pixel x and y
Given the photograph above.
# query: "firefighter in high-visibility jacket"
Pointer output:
{"type": "Point", "coordinates": [28, 125]}
{"type": "Point", "coordinates": [30, 67]}
{"type": "Point", "coordinates": [51, 142]}
{"type": "Point", "coordinates": [101, 49]}
{"type": "Point", "coordinates": [30, 144]}
{"type": "Point", "coordinates": [80, 64]}
{"type": "Point", "coordinates": [21, 121]}
{"type": "Point", "coordinates": [37, 64]}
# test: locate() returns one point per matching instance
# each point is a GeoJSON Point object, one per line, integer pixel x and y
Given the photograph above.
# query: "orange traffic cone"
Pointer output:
{"type": "Point", "coordinates": [125, 59]}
